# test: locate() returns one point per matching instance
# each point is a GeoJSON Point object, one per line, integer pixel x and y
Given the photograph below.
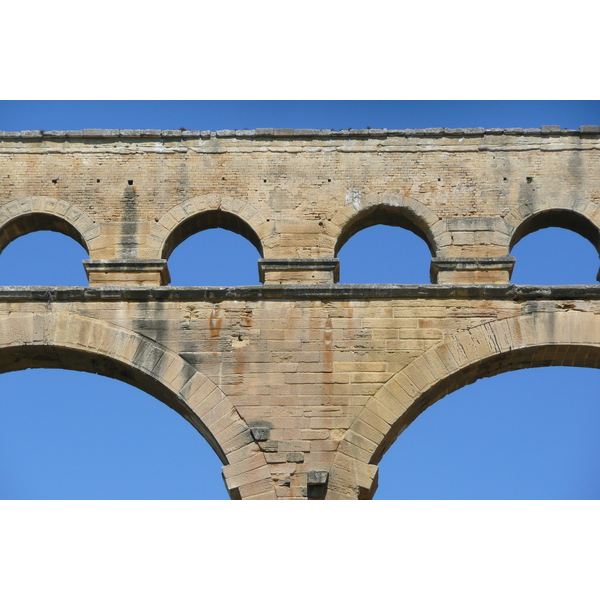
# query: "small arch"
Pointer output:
{"type": "Point", "coordinates": [39, 213]}
{"type": "Point", "coordinates": [554, 256]}
{"type": "Point", "coordinates": [386, 214]}
{"type": "Point", "coordinates": [230, 260]}
{"type": "Point", "coordinates": [560, 217]}
{"type": "Point", "coordinates": [210, 219]}
{"type": "Point", "coordinates": [38, 221]}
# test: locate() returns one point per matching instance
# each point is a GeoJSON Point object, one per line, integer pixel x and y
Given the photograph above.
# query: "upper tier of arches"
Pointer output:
{"type": "Point", "coordinates": [283, 240]}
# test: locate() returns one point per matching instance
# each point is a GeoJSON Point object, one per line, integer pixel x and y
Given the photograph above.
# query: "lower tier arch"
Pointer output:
{"type": "Point", "coordinates": [561, 338]}
{"type": "Point", "coordinates": [57, 339]}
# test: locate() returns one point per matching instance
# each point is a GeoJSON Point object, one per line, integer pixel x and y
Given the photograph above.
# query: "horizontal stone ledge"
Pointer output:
{"type": "Point", "coordinates": [293, 133]}
{"type": "Point", "coordinates": [125, 264]}
{"type": "Point", "coordinates": [344, 291]}
{"type": "Point", "coordinates": [106, 133]}
{"type": "Point", "coordinates": [473, 263]}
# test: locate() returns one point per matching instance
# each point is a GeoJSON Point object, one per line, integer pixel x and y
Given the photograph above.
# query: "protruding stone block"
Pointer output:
{"type": "Point", "coordinates": [316, 477]}
{"type": "Point", "coordinates": [260, 434]}
{"type": "Point", "coordinates": [299, 270]}
{"type": "Point", "coordinates": [551, 128]}
{"type": "Point", "coordinates": [127, 272]}
{"type": "Point", "coordinates": [316, 484]}
{"type": "Point", "coordinates": [472, 270]}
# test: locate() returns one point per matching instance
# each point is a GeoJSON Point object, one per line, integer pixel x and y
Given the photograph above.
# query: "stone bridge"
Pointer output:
{"type": "Point", "coordinates": [300, 384]}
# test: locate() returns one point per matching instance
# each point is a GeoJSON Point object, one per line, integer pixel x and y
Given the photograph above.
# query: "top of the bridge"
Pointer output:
{"type": "Point", "coordinates": [545, 130]}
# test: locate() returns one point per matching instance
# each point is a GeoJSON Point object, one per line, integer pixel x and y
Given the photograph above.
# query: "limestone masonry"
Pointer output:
{"type": "Point", "coordinates": [300, 384]}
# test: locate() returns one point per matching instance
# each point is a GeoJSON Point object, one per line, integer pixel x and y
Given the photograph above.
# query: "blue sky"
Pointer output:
{"type": "Point", "coordinates": [526, 434]}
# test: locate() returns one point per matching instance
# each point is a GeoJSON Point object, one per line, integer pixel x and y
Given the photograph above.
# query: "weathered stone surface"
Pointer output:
{"type": "Point", "coordinates": [299, 385]}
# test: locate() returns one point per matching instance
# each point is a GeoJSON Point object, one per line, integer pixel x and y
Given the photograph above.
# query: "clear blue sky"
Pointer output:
{"type": "Point", "coordinates": [525, 434]}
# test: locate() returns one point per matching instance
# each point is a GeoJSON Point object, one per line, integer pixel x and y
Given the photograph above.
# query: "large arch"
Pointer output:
{"type": "Point", "coordinates": [36, 213]}
{"type": "Point", "coordinates": [61, 339]}
{"type": "Point", "coordinates": [545, 338]}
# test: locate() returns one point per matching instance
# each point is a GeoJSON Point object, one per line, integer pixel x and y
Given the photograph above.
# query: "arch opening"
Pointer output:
{"type": "Point", "coordinates": [554, 256]}
{"type": "Point", "coordinates": [43, 258]}
{"type": "Point", "coordinates": [215, 257]}
{"type": "Point", "coordinates": [566, 219]}
{"type": "Point", "coordinates": [385, 254]}
{"type": "Point", "coordinates": [38, 221]}
{"type": "Point", "coordinates": [18, 357]}
{"type": "Point", "coordinates": [212, 219]}
{"type": "Point", "coordinates": [385, 215]}
{"type": "Point", "coordinates": [73, 435]}
{"type": "Point", "coordinates": [523, 434]}
{"type": "Point", "coordinates": [554, 355]}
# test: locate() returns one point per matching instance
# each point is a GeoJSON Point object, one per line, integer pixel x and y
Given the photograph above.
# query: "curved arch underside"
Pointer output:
{"type": "Point", "coordinates": [382, 214]}
{"type": "Point", "coordinates": [212, 219]}
{"type": "Point", "coordinates": [514, 360]}
{"type": "Point", "coordinates": [31, 222]}
{"type": "Point", "coordinates": [566, 219]}
{"type": "Point", "coordinates": [70, 341]}
{"type": "Point", "coordinates": [39, 213]}
{"type": "Point", "coordinates": [565, 338]}
{"type": "Point", "coordinates": [32, 356]}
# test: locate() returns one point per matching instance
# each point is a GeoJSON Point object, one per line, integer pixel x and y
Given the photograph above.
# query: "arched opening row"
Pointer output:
{"type": "Point", "coordinates": [383, 246]}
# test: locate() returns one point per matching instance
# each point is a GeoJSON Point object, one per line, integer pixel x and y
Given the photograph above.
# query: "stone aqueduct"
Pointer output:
{"type": "Point", "coordinates": [299, 384]}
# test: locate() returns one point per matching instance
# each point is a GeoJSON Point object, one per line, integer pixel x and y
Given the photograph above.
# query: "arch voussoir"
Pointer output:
{"type": "Point", "coordinates": [351, 478]}
{"type": "Point", "coordinates": [553, 337]}
{"type": "Point", "coordinates": [346, 221]}
{"type": "Point", "coordinates": [27, 214]}
{"type": "Point", "coordinates": [190, 392]}
{"type": "Point", "coordinates": [362, 426]}
{"type": "Point", "coordinates": [253, 224]}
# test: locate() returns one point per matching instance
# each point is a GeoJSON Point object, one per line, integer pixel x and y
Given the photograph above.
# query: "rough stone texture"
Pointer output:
{"type": "Point", "coordinates": [299, 385]}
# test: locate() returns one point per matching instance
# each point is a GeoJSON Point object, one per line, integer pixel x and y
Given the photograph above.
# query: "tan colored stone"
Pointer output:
{"type": "Point", "coordinates": [329, 374]}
